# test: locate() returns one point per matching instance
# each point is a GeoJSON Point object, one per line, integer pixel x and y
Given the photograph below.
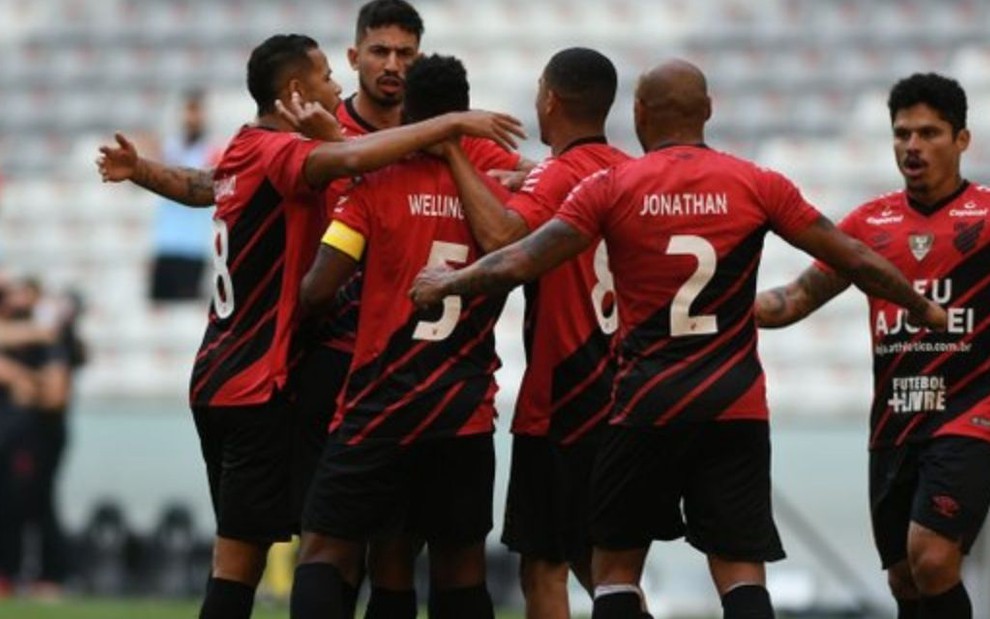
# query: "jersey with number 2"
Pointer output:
{"type": "Point", "coordinates": [684, 227]}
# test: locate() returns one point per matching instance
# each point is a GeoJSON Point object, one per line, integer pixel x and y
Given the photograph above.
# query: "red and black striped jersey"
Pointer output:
{"type": "Point", "coordinates": [925, 383]}
{"type": "Point", "coordinates": [340, 327]}
{"type": "Point", "coordinates": [415, 374]}
{"type": "Point", "coordinates": [684, 226]}
{"type": "Point", "coordinates": [570, 311]}
{"type": "Point", "coordinates": [267, 231]}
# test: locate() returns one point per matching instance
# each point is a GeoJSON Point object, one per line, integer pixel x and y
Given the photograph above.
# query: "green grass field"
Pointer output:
{"type": "Point", "coordinates": [143, 609]}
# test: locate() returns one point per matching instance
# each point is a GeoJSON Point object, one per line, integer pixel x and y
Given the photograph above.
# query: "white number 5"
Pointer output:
{"type": "Point", "coordinates": [681, 320]}
{"type": "Point", "coordinates": [442, 253]}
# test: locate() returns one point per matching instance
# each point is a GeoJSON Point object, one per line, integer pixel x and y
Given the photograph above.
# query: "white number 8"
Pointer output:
{"type": "Point", "coordinates": [223, 289]}
{"type": "Point", "coordinates": [441, 253]}
{"type": "Point", "coordinates": [604, 284]}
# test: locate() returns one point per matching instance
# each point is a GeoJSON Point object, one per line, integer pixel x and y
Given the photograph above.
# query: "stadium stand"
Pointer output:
{"type": "Point", "coordinates": [798, 86]}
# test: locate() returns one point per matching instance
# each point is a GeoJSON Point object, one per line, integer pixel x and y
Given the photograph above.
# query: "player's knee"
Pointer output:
{"type": "Point", "coordinates": [239, 561]}
{"type": "Point", "coordinates": [346, 556]}
{"type": "Point", "coordinates": [935, 567]}
{"type": "Point", "coordinates": [539, 577]}
{"type": "Point", "coordinates": [457, 566]}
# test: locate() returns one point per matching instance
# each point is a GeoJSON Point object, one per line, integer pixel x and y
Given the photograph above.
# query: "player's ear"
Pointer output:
{"type": "Point", "coordinates": [962, 139]}
{"type": "Point", "coordinates": [296, 85]}
{"type": "Point", "coordinates": [352, 57]}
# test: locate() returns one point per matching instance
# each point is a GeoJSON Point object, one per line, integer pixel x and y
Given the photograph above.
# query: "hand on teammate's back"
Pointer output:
{"type": "Point", "coordinates": [427, 288]}
{"type": "Point", "coordinates": [310, 119]}
{"type": "Point", "coordinates": [510, 179]}
{"type": "Point", "coordinates": [117, 163]}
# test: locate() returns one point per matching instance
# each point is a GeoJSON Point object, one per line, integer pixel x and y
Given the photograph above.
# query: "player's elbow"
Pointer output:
{"type": "Point", "coordinates": [313, 298]}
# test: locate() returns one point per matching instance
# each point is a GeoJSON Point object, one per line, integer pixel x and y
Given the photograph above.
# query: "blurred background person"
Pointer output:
{"type": "Point", "coordinates": [39, 349]}
{"type": "Point", "coordinates": [181, 236]}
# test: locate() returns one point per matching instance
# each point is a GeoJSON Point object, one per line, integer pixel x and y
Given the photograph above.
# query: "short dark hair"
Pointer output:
{"type": "Point", "coordinates": [270, 62]}
{"type": "Point", "coordinates": [382, 13]}
{"type": "Point", "coordinates": [435, 85]}
{"type": "Point", "coordinates": [586, 80]}
{"type": "Point", "coordinates": [942, 94]}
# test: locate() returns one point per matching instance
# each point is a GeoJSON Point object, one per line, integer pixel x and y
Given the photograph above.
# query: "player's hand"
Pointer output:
{"type": "Point", "coordinates": [428, 289]}
{"type": "Point", "coordinates": [510, 179]}
{"type": "Point", "coordinates": [117, 163]}
{"type": "Point", "coordinates": [442, 149]}
{"type": "Point", "coordinates": [934, 317]}
{"type": "Point", "coordinates": [501, 128]}
{"type": "Point", "coordinates": [310, 119]}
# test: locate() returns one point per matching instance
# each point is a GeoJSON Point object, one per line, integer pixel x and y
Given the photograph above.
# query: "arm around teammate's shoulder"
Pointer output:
{"type": "Point", "coordinates": [375, 150]}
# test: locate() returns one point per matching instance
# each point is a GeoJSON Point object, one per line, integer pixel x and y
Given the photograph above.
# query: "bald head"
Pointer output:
{"type": "Point", "coordinates": [672, 104]}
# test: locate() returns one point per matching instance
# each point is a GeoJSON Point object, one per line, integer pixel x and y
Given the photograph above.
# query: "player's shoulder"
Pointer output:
{"type": "Point", "coordinates": [886, 206]}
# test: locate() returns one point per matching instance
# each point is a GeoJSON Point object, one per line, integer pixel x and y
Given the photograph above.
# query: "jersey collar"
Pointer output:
{"type": "Point", "coordinates": [591, 139]}
{"type": "Point", "coordinates": [352, 112]}
{"type": "Point", "coordinates": [929, 209]}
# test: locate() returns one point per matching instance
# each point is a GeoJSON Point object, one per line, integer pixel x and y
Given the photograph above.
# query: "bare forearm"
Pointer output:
{"type": "Point", "coordinates": [496, 273]}
{"type": "Point", "coordinates": [877, 277]}
{"type": "Point", "coordinates": [188, 186]}
{"type": "Point", "coordinates": [375, 150]}
{"type": "Point", "coordinates": [492, 224]}
{"type": "Point", "coordinates": [785, 305]}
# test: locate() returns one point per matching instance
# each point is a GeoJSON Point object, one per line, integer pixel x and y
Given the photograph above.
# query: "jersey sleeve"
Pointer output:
{"type": "Point", "coordinates": [354, 211]}
{"type": "Point", "coordinates": [540, 196]}
{"type": "Point", "coordinates": [788, 211]}
{"type": "Point", "coordinates": [486, 155]}
{"type": "Point", "coordinates": [587, 203]}
{"type": "Point", "coordinates": [285, 164]}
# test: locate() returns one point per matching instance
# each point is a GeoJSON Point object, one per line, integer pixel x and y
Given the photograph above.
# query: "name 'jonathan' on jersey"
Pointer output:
{"type": "Point", "coordinates": [684, 204]}
{"type": "Point", "coordinates": [435, 205]}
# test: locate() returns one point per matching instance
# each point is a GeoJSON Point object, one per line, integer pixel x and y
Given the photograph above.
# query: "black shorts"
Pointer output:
{"type": "Point", "coordinates": [177, 278]}
{"type": "Point", "coordinates": [942, 484]}
{"type": "Point", "coordinates": [718, 471]}
{"type": "Point", "coordinates": [316, 383]}
{"type": "Point", "coordinates": [258, 465]}
{"type": "Point", "coordinates": [436, 490]}
{"type": "Point", "coordinates": [546, 510]}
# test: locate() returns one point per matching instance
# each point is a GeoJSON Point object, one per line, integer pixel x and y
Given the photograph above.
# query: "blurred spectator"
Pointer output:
{"type": "Point", "coordinates": [181, 235]}
{"type": "Point", "coordinates": [39, 350]}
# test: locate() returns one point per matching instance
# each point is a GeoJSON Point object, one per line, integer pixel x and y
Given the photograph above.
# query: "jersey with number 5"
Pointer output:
{"type": "Point", "coordinates": [415, 374]}
{"type": "Point", "coordinates": [684, 227]}
{"type": "Point", "coordinates": [267, 228]}
{"type": "Point", "coordinates": [570, 311]}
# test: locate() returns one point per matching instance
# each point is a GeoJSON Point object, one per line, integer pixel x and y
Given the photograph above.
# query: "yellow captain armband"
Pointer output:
{"type": "Point", "coordinates": [348, 240]}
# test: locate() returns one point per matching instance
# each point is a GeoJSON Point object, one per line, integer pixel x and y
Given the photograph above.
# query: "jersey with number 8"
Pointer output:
{"type": "Point", "coordinates": [415, 375]}
{"type": "Point", "coordinates": [684, 227]}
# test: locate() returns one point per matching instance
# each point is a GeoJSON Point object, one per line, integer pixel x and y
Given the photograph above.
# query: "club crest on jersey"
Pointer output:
{"type": "Point", "coordinates": [920, 245]}
{"type": "Point", "coordinates": [967, 236]}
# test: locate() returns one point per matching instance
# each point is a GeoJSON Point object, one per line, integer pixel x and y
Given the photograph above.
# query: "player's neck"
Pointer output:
{"type": "Point", "coordinates": [273, 122]}
{"type": "Point", "coordinates": [376, 115]}
{"type": "Point", "coordinates": [565, 137]}
{"type": "Point", "coordinates": [936, 195]}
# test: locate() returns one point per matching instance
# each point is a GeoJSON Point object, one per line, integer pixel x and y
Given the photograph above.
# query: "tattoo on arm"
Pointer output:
{"type": "Point", "coordinates": [189, 186]}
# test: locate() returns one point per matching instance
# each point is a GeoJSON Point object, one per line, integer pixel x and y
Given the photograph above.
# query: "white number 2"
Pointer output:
{"type": "Point", "coordinates": [434, 331]}
{"type": "Point", "coordinates": [223, 288]}
{"type": "Point", "coordinates": [604, 284]}
{"type": "Point", "coordinates": [681, 320]}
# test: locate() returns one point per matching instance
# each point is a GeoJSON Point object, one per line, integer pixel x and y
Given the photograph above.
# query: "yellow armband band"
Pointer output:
{"type": "Point", "coordinates": [346, 239]}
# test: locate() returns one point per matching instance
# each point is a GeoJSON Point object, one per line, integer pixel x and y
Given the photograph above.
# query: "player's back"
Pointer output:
{"type": "Point", "coordinates": [684, 227]}
{"type": "Point", "coordinates": [416, 374]}
{"type": "Point", "coordinates": [267, 224]}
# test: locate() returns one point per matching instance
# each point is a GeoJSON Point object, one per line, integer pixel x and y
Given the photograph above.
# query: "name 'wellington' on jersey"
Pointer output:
{"type": "Point", "coordinates": [415, 375]}
{"type": "Point", "coordinates": [684, 226]}
{"type": "Point", "coordinates": [264, 207]}
{"type": "Point", "coordinates": [926, 383]}
{"type": "Point", "coordinates": [570, 311]}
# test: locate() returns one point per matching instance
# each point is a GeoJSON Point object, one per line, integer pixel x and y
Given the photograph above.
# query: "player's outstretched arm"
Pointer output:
{"type": "Point", "coordinates": [492, 225]}
{"type": "Point", "coordinates": [188, 186]}
{"type": "Point", "coordinates": [868, 271]}
{"type": "Point", "coordinates": [785, 305]}
{"type": "Point", "coordinates": [553, 243]}
{"type": "Point", "coordinates": [331, 269]}
{"type": "Point", "coordinates": [375, 150]}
